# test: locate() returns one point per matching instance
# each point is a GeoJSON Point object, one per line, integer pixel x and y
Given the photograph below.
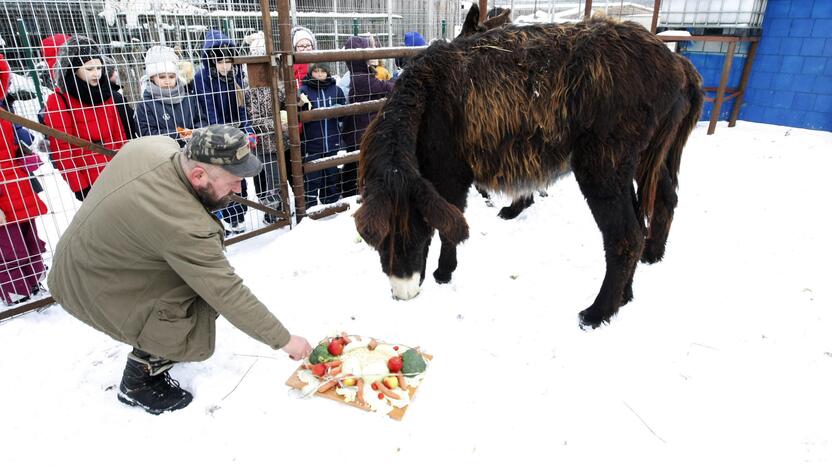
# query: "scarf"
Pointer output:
{"type": "Point", "coordinates": [169, 96]}
{"type": "Point", "coordinates": [81, 90]}
{"type": "Point", "coordinates": [319, 84]}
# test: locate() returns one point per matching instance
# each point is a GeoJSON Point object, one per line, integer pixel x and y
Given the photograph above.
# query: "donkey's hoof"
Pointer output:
{"type": "Point", "coordinates": [591, 319]}
{"type": "Point", "coordinates": [509, 212]}
{"type": "Point", "coordinates": [652, 253]}
{"type": "Point", "coordinates": [442, 277]}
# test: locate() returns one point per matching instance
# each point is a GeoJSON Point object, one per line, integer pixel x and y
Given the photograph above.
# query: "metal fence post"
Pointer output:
{"type": "Point", "coordinates": [290, 85]}
{"type": "Point", "coordinates": [274, 85]}
{"type": "Point", "coordinates": [27, 51]}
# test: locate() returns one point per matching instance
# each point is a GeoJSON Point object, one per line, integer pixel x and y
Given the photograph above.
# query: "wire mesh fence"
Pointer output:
{"type": "Point", "coordinates": [98, 74]}
{"type": "Point", "coordinates": [108, 72]}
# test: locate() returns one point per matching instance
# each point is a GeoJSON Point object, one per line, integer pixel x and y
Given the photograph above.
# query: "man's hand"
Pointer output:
{"type": "Point", "coordinates": [297, 348]}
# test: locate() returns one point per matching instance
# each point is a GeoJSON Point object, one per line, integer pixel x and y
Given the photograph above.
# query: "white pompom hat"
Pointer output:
{"type": "Point", "coordinates": [161, 59]}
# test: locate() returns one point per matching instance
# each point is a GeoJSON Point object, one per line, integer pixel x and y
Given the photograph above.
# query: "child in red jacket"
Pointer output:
{"type": "Point", "coordinates": [21, 265]}
{"type": "Point", "coordinates": [87, 105]}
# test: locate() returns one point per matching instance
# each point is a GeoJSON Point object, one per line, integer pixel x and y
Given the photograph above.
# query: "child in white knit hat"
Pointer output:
{"type": "Point", "coordinates": [167, 108]}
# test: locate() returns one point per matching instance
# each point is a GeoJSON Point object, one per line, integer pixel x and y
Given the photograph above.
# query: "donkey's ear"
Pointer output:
{"type": "Point", "coordinates": [445, 217]}
{"type": "Point", "coordinates": [372, 220]}
{"type": "Point", "coordinates": [499, 20]}
{"type": "Point", "coordinates": [472, 22]}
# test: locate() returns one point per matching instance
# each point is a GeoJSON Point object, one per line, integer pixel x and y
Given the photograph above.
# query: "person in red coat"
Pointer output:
{"type": "Point", "coordinates": [21, 265]}
{"type": "Point", "coordinates": [86, 105]}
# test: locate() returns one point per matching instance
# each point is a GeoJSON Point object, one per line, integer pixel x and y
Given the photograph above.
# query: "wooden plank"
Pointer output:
{"type": "Point", "coordinates": [746, 73]}
{"type": "Point", "coordinates": [346, 55]}
{"type": "Point", "coordinates": [396, 413]}
{"type": "Point", "coordinates": [341, 111]}
{"type": "Point", "coordinates": [329, 211]}
{"type": "Point", "coordinates": [723, 82]}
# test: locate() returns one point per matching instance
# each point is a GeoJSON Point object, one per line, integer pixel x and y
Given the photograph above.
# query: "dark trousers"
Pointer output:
{"type": "Point", "coordinates": [349, 177]}
{"type": "Point", "coordinates": [323, 184]}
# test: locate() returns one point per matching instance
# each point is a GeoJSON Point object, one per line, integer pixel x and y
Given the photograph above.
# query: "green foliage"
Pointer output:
{"type": "Point", "coordinates": [321, 354]}
{"type": "Point", "coordinates": [413, 363]}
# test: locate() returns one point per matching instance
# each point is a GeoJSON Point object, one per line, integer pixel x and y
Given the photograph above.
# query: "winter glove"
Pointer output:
{"type": "Point", "coordinates": [304, 100]}
{"type": "Point", "coordinates": [252, 141]}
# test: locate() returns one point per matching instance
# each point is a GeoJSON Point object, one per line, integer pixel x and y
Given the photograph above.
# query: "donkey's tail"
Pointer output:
{"type": "Point", "coordinates": [666, 146]}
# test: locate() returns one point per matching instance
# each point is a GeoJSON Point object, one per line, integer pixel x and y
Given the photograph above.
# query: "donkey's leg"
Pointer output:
{"type": "Point", "coordinates": [607, 191]}
{"type": "Point", "coordinates": [517, 206]}
{"type": "Point", "coordinates": [627, 294]}
{"type": "Point", "coordinates": [447, 262]}
{"type": "Point", "coordinates": [663, 207]}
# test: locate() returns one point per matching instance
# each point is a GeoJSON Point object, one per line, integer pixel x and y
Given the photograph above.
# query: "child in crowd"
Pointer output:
{"type": "Point", "coordinates": [364, 86]}
{"type": "Point", "coordinates": [219, 87]}
{"type": "Point", "coordinates": [261, 113]}
{"type": "Point", "coordinates": [302, 41]}
{"type": "Point", "coordinates": [321, 138]}
{"type": "Point", "coordinates": [382, 73]}
{"type": "Point", "coordinates": [87, 105]}
{"type": "Point", "coordinates": [167, 108]}
{"type": "Point", "coordinates": [21, 264]}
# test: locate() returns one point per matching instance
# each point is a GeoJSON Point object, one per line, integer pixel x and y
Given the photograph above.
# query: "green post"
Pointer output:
{"type": "Point", "coordinates": [355, 26]}
{"type": "Point", "coordinates": [444, 26]}
{"type": "Point", "coordinates": [27, 50]}
{"type": "Point", "coordinates": [225, 27]}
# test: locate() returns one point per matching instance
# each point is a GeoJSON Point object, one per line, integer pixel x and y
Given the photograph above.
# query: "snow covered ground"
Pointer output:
{"type": "Point", "coordinates": [723, 359]}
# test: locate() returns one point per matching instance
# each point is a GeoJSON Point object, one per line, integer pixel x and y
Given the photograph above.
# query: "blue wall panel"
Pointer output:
{"type": "Point", "coordinates": [791, 79]}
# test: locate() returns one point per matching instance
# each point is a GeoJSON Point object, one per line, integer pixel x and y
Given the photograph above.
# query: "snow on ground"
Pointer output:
{"type": "Point", "coordinates": [724, 358]}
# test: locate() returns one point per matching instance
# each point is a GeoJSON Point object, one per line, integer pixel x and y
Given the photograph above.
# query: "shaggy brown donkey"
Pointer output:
{"type": "Point", "coordinates": [496, 18]}
{"type": "Point", "coordinates": [514, 109]}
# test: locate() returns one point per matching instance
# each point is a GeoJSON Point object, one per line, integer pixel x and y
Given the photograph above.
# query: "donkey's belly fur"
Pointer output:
{"type": "Point", "coordinates": [517, 177]}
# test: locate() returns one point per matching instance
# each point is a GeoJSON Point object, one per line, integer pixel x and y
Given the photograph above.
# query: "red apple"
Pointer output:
{"type": "Point", "coordinates": [394, 364]}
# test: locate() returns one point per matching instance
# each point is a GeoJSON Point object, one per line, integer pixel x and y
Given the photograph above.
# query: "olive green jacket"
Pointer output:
{"type": "Point", "coordinates": [143, 261]}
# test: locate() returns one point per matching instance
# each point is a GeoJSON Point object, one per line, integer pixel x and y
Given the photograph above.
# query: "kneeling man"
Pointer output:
{"type": "Point", "coordinates": [143, 260]}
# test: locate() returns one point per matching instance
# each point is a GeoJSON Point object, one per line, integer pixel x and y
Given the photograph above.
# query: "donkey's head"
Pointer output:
{"type": "Point", "coordinates": [398, 216]}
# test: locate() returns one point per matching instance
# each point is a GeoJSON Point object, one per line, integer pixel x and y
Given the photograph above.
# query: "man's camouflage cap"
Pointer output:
{"type": "Point", "coordinates": [226, 146]}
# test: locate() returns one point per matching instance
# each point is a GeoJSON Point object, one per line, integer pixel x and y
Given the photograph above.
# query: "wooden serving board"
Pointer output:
{"type": "Point", "coordinates": [396, 413]}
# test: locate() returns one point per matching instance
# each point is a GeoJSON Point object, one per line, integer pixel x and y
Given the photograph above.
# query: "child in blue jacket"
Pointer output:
{"type": "Point", "coordinates": [167, 108]}
{"type": "Point", "coordinates": [219, 86]}
{"type": "Point", "coordinates": [321, 138]}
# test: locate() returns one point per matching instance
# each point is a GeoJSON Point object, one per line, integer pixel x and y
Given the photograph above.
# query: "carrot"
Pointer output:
{"type": "Point", "coordinates": [334, 370]}
{"type": "Point", "coordinates": [327, 386]}
{"type": "Point", "coordinates": [402, 383]}
{"type": "Point", "coordinates": [386, 391]}
{"type": "Point", "coordinates": [332, 363]}
{"type": "Point", "coordinates": [359, 395]}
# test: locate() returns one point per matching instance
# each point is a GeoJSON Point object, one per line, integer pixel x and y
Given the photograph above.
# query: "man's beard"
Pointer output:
{"type": "Point", "coordinates": [208, 200]}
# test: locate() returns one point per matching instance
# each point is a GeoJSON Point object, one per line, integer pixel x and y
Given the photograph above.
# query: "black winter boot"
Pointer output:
{"type": "Point", "coordinates": [147, 384]}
